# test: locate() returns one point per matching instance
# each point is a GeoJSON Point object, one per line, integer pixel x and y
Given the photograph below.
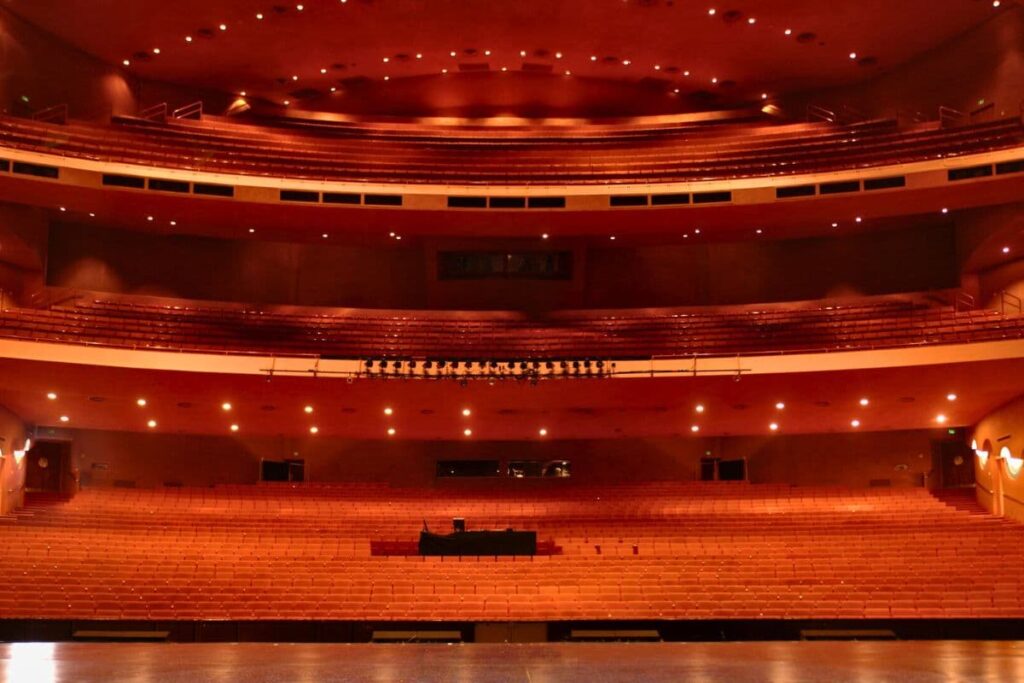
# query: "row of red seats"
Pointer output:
{"type": "Point", "coordinates": [879, 324]}
{"type": "Point", "coordinates": [688, 551]}
{"type": "Point", "coordinates": [259, 150]}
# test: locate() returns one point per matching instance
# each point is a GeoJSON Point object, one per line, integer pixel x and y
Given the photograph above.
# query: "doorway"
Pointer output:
{"type": "Point", "coordinates": [49, 466]}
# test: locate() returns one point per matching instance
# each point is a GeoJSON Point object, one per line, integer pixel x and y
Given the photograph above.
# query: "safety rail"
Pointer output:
{"type": "Point", "coordinates": [964, 302]}
{"type": "Point", "coordinates": [55, 114]}
{"type": "Point", "coordinates": [158, 112]}
{"type": "Point", "coordinates": [1009, 300]}
{"type": "Point", "coordinates": [189, 111]}
{"type": "Point", "coordinates": [816, 113]}
{"type": "Point", "coordinates": [949, 117]}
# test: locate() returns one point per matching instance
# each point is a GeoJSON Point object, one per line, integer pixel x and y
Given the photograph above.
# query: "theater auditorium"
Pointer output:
{"type": "Point", "coordinates": [547, 340]}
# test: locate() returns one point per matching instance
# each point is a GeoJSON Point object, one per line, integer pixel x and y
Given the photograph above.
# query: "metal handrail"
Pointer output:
{"type": "Point", "coordinates": [985, 110]}
{"type": "Point", "coordinates": [814, 112]}
{"type": "Point", "coordinates": [964, 302]}
{"type": "Point", "coordinates": [158, 112]}
{"type": "Point", "coordinates": [55, 114]}
{"type": "Point", "coordinates": [1010, 300]}
{"type": "Point", "coordinates": [950, 117]}
{"type": "Point", "coordinates": [189, 111]}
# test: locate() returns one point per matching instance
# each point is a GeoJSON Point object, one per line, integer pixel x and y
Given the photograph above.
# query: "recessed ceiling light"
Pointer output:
{"type": "Point", "coordinates": [712, 11]}
{"type": "Point", "coordinates": [593, 58]}
{"type": "Point", "coordinates": [63, 209]}
{"type": "Point", "coordinates": [225, 406]}
{"type": "Point", "coordinates": [419, 55]}
{"type": "Point", "coordinates": [387, 59]}
{"type": "Point", "coordinates": [287, 102]}
{"type": "Point", "coordinates": [699, 408]}
{"type": "Point", "coordinates": [522, 53]}
{"type": "Point", "coordinates": [657, 67]}
{"type": "Point", "coordinates": [759, 231]}
{"type": "Point", "coordinates": [223, 27]}
{"type": "Point", "coordinates": [544, 236]}
{"type": "Point", "coordinates": [188, 39]}
{"type": "Point", "coordinates": [234, 428]}
{"type": "Point", "coordinates": [751, 21]}
{"type": "Point", "coordinates": [334, 89]}
{"type": "Point", "coordinates": [542, 431]}
{"type": "Point", "coordinates": [780, 406]}
{"type": "Point", "coordinates": [295, 77]}
{"type": "Point", "coordinates": [444, 71]}
{"type": "Point", "coordinates": [864, 401]}
{"type": "Point", "coordinates": [487, 53]}
{"type": "Point", "coordinates": [151, 424]}
{"type": "Point", "coordinates": [391, 431]}
{"type": "Point", "coordinates": [788, 32]}
{"type": "Point", "coordinates": [126, 63]}
{"type": "Point", "coordinates": [149, 218]}
{"type": "Point", "coordinates": [52, 396]}
{"type": "Point", "coordinates": [156, 50]}
{"type": "Point", "coordinates": [568, 73]}
{"type": "Point", "coordinates": [714, 79]}
{"type": "Point", "coordinates": [308, 409]}
{"type": "Point", "coordinates": [64, 418]}
{"type": "Point", "coordinates": [694, 428]}
{"type": "Point", "coordinates": [853, 55]}
{"type": "Point", "coordinates": [300, 7]}
{"type": "Point", "coordinates": [858, 219]}
{"type": "Point", "coordinates": [452, 53]}
{"type": "Point", "coordinates": [467, 432]}
{"type": "Point", "coordinates": [323, 70]}
{"type": "Point", "coordinates": [774, 427]}
{"type": "Point", "coordinates": [504, 68]}
{"type": "Point", "coordinates": [259, 16]}
{"type": "Point", "coordinates": [173, 223]}
{"type": "Point", "coordinates": [835, 225]}
{"type": "Point", "coordinates": [140, 402]}
{"type": "Point", "coordinates": [252, 230]}
{"type": "Point", "coordinates": [855, 423]}
{"type": "Point", "coordinates": [314, 430]}
{"type": "Point", "coordinates": [626, 62]}
{"type": "Point", "coordinates": [941, 419]}
{"type": "Point", "coordinates": [1006, 250]}
{"type": "Point", "coordinates": [945, 210]}
{"type": "Point", "coordinates": [558, 55]}
{"type": "Point", "coordinates": [92, 215]}
{"type": "Point", "coordinates": [389, 411]}
{"type": "Point", "coordinates": [466, 412]}
{"type": "Point", "coordinates": [324, 235]}
{"type": "Point", "coordinates": [612, 238]}
{"type": "Point", "coordinates": [950, 397]}
{"type": "Point", "coordinates": [764, 96]}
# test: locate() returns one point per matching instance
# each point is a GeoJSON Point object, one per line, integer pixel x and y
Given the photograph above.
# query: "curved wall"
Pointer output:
{"type": "Point", "coordinates": [998, 489]}
{"type": "Point", "coordinates": [917, 259]}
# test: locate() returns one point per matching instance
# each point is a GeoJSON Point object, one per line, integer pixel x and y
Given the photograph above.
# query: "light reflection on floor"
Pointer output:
{"type": "Point", "coordinates": [778, 662]}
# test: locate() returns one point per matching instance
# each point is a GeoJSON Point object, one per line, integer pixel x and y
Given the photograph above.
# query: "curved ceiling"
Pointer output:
{"type": "Point", "coordinates": [435, 52]}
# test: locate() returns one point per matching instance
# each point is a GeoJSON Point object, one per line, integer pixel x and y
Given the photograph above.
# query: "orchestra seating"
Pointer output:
{"type": "Point", "coordinates": [873, 322]}
{"type": "Point", "coordinates": [652, 551]}
{"type": "Point", "coordinates": [425, 154]}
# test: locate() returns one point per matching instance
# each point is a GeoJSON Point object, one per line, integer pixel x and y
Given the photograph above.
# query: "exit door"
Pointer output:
{"type": "Point", "coordinates": [48, 465]}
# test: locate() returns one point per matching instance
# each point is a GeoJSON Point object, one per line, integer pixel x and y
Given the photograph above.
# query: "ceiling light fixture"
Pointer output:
{"type": "Point", "coordinates": [141, 402]}
{"type": "Point", "coordinates": [234, 428]}
{"type": "Point", "coordinates": [467, 432]}
{"type": "Point", "coordinates": [694, 428]}
{"type": "Point", "coordinates": [941, 419]}
{"type": "Point", "coordinates": [389, 411]}
{"type": "Point", "coordinates": [52, 396]}
{"type": "Point", "coordinates": [225, 406]}
{"type": "Point", "coordinates": [950, 397]}
{"type": "Point", "coordinates": [64, 418]}
{"type": "Point", "coordinates": [864, 401]}
{"type": "Point", "coordinates": [151, 424]}
{"type": "Point", "coordinates": [780, 406]}
{"type": "Point", "coordinates": [314, 430]}
{"type": "Point", "coordinates": [308, 409]}
{"type": "Point", "coordinates": [855, 423]}
{"type": "Point", "coordinates": [466, 412]}
{"type": "Point", "coordinates": [391, 431]}
{"type": "Point", "coordinates": [774, 427]}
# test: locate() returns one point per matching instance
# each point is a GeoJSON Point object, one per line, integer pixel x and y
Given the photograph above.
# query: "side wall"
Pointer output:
{"type": "Point", "coordinates": [151, 460]}
{"type": "Point", "coordinates": [12, 467]}
{"type": "Point", "coordinates": [910, 260]}
{"type": "Point", "coordinates": [1002, 428]}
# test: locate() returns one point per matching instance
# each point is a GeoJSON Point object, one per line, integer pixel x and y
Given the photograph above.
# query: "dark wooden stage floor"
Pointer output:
{"type": "Point", "coordinates": [784, 662]}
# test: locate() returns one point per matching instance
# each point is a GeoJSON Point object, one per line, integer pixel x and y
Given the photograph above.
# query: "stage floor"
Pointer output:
{"type": "Point", "coordinates": [907, 662]}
